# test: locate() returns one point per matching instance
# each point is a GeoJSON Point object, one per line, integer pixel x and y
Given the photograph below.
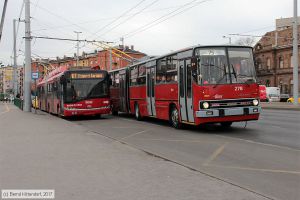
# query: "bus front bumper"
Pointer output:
{"type": "Point", "coordinates": [223, 112]}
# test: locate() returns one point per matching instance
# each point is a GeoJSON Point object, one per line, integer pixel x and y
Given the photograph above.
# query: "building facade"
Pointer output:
{"type": "Point", "coordinates": [6, 80]}
{"type": "Point", "coordinates": [273, 56]}
{"type": "Point", "coordinates": [94, 60]}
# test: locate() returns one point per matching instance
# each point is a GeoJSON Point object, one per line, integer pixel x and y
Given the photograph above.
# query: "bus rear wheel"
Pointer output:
{"type": "Point", "coordinates": [174, 118]}
{"type": "Point", "coordinates": [113, 111]}
{"type": "Point", "coordinates": [226, 124]}
{"type": "Point", "coordinates": [137, 112]}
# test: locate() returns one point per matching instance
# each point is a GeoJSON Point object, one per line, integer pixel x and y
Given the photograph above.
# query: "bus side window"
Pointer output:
{"type": "Point", "coordinates": [133, 75]}
{"type": "Point", "coordinates": [141, 80]}
{"type": "Point", "coordinates": [171, 71]}
{"type": "Point", "coordinates": [117, 79]}
{"type": "Point", "coordinates": [161, 69]}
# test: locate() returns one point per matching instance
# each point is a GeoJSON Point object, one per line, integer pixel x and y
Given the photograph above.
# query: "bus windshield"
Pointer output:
{"type": "Point", "coordinates": [225, 66]}
{"type": "Point", "coordinates": [81, 89]}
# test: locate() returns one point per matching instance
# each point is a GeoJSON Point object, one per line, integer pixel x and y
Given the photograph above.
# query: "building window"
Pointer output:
{"type": "Point", "coordinates": [258, 63]}
{"type": "Point", "coordinates": [280, 62]}
{"type": "Point", "coordinates": [268, 63]}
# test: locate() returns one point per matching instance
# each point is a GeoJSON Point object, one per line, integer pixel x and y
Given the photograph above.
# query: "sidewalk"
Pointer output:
{"type": "Point", "coordinates": [40, 151]}
{"type": "Point", "coordinates": [279, 106]}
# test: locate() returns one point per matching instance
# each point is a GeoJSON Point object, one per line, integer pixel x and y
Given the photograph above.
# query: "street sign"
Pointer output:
{"type": "Point", "coordinates": [34, 75]}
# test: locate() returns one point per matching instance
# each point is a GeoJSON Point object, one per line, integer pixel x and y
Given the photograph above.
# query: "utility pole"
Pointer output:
{"type": "Point", "coordinates": [15, 82]}
{"type": "Point", "coordinates": [110, 59]}
{"type": "Point", "coordinates": [295, 55]}
{"type": "Point", "coordinates": [77, 57]}
{"type": "Point", "coordinates": [27, 77]}
{"type": "Point", "coordinates": [2, 18]}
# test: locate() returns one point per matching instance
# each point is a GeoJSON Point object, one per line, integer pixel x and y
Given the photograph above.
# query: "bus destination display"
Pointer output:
{"type": "Point", "coordinates": [86, 75]}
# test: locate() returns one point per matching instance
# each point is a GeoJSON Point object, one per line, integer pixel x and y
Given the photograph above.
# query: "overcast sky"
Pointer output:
{"type": "Point", "coordinates": [186, 23]}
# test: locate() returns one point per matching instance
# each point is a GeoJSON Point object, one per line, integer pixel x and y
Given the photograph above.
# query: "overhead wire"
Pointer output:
{"type": "Point", "coordinates": [110, 23]}
{"type": "Point", "coordinates": [165, 17]}
{"type": "Point", "coordinates": [130, 17]}
{"type": "Point", "coordinates": [17, 30]}
{"type": "Point", "coordinates": [101, 19]}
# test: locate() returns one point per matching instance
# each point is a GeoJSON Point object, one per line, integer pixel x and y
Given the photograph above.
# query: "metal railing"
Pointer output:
{"type": "Point", "coordinates": [19, 103]}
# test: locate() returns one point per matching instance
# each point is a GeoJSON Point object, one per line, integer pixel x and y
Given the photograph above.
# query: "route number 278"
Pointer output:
{"type": "Point", "coordinates": [238, 88]}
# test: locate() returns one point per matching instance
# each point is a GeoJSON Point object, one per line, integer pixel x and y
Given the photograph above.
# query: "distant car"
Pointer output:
{"type": "Point", "coordinates": [291, 100]}
{"type": "Point", "coordinates": [35, 103]}
{"type": "Point", "coordinates": [262, 93]}
{"type": "Point", "coordinates": [284, 97]}
{"type": "Point", "coordinates": [273, 94]}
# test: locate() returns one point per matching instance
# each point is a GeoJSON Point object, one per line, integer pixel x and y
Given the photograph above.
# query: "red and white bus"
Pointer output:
{"type": "Point", "coordinates": [75, 92]}
{"type": "Point", "coordinates": [197, 85]}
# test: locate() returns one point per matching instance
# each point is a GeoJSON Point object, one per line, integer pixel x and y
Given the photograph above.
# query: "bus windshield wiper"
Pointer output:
{"type": "Point", "coordinates": [220, 79]}
{"type": "Point", "coordinates": [233, 71]}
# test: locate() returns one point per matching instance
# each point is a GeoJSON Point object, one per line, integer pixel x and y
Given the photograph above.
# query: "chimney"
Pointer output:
{"type": "Point", "coordinates": [132, 47]}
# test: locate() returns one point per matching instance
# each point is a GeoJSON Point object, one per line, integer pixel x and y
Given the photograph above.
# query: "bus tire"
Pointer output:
{"type": "Point", "coordinates": [137, 112]}
{"type": "Point", "coordinates": [113, 111]}
{"type": "Point", "coordinates": [58, 111]}
{"type": "Point", "coordinates": [226, 124]}
{"type": "Point", "coordinates": [174, 118]}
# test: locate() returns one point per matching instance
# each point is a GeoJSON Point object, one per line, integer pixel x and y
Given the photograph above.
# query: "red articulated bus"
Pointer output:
{"type": "Point", "coordinates": [75, 92]}
{"type": "Point", "coordinates": [198, 85]}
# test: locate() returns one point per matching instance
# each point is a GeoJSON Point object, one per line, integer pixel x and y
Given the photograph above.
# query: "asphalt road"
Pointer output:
{"type": "Point", "coordinates": [263, 158]}
{"type": "Point", "coordinates": [41, 151]}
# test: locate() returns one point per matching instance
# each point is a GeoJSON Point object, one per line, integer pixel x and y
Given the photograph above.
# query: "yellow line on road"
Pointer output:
{"type": "Point", "coordinates": [134, 134]}
{"type": "Point", "coordinates": [217, 152]}
{"type": "Point", "coordinates": [259, 143]}
{"type": "Point", "coordinates": [173, 140]}
{"type": "Point", "coordinates": [255, 169]}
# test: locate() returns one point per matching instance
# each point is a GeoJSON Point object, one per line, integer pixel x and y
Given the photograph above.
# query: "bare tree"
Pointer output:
{"type": "Point", "coordinates": [246, 41]}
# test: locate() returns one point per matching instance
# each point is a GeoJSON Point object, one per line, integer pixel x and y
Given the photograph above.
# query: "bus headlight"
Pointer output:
{"type": "Point", "coordinates": [255, 102]}
{"type": "Point", "coordinates": [205, 105]}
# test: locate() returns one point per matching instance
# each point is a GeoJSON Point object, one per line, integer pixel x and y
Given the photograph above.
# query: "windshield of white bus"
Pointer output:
{"type": "Point", "coordinates": [78, 88]}
{"type": "Point", "coordinates": [215, 66]}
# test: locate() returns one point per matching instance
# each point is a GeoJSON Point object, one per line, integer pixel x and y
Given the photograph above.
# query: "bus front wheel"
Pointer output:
{"type": "Point", "coordinates": [226, 124]}
{"type": "Point", "coordinates": [174, 118]}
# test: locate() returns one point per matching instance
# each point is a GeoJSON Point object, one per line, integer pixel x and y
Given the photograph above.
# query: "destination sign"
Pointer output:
{"type": "Point", "coordinates": [86, 75]}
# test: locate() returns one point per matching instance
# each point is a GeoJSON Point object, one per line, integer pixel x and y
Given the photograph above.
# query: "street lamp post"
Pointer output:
{"type": "Point", "coordinates": [77, 57]}
{"type": "Point", "coordinates": [295, 55]}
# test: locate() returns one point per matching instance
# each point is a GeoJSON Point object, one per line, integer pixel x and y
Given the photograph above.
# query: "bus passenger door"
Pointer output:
{"type": "Point", "coordinates": [150, 91]}
{"type": "Point", "coordinates": [124, 96]}
{"type": "Point", "coordinates": [185, 91]}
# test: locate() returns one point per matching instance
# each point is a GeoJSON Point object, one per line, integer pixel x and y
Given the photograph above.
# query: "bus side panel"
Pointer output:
{"type": "Point", "coordinates": [138, 95]}
{"type": "Point", "coordinates": [165, 95]}
{"type": "Point", "coordinates": [115, 98]}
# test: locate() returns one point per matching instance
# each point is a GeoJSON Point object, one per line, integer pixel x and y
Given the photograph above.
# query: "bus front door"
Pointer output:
{"type": "Point", "coordinates": [150, 91]}
{"type": "Point", "coordinates": [123, 92]}
{"type": "Point", "coordinates": [185, 91]}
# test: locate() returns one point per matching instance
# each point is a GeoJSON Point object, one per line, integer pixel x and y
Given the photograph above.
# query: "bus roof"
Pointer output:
{"type": "Point", "coordinates": [182, 50]}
